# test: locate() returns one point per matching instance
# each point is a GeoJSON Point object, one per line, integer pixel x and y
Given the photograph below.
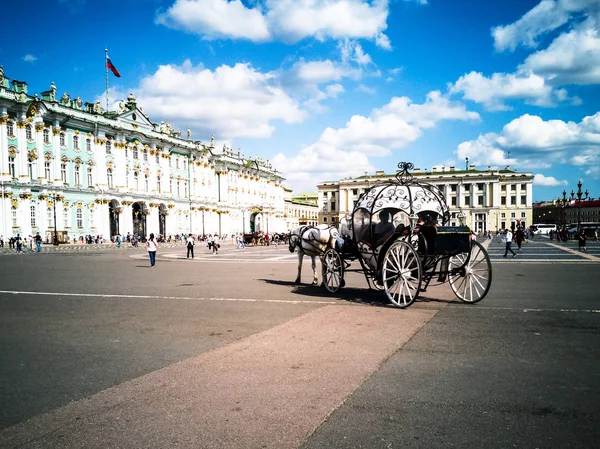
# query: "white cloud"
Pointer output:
{"type": "Point", "coordinates": [492, 92]}
{"type": "Point", "coordinates": [29, 58]}
{"type": "Point", "coordinates": [547, 181]}
{"type": "Point", "coordinates": [535, 143]}
{"type": "Point", "coordinates": [345, 151]}
{"type": "Point", "coordinates": [286, 20]}
{"type": "Point", "coordinates": [572, 58]}
{"type": "Point", "coordinates": [229, 102]}
{"type": "Point", "coordinates": [366, 89]}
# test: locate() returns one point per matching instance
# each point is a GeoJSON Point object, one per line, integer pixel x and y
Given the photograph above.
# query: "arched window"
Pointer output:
{"type": "Point", "coordinates": [90, 180]}
{"type": "Point", "coordinates": [88, 145]}
{"type": "Point", "coordinates": [146, 183]}
{"type": "Point", "coordinates": [13, 213]}
{"type": "Point", "coordinates": [11, 166]}
{"type": "Point", "coordinates": [63, 143]}
{"type": "Point", "coordinates": [28, 133]}
{"type": "Point", "coordinates": [136, 180]}
{"type": "Point", "coordinates": [66, 218]}
{"type": "Point", "coordinates": [10, 129]}
{"type": "Point", "coordinates": [158, 184]}
{"type": "Point", "coordinates": [47, 170]}
{"type": "Point", "coordinates": [108, 147]}
{"type": "Point", "coordinates": [135, 152]}
{"type": "Point", "coordinates": [63, 173]}
{"type": "Point", "coordinates": [109, 178]}
{"type": "Point", "coordinates": [46, 135]}
{"type": "Point", "coordinates": [32, 213]}
{"type": "Point", "coordinates": [76, 142]}
{"type": "Point", "coordinates": [79, 217]}
{"type": "Point", "coordinates": [77, 175]}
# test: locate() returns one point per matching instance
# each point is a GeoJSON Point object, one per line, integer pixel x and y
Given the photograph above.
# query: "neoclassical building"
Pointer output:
{"type": "Point", "coordinates": [484, 200]}
{"type": "Point", "coordinates": [76, 168]}
{"type": "Point", "coordinates": [301, 209]}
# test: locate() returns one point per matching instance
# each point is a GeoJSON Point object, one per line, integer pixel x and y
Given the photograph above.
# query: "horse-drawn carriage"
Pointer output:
{"type": "Point", "coordinates": [395, 235]}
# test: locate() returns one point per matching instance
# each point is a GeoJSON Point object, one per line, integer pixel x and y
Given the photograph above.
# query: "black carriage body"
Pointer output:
{"type": "Point", "coordinates": [452, 240]}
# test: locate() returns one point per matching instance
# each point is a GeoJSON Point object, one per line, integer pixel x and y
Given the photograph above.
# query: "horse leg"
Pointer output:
{"type": "Point", "coordinates": [314, 267]}
{"type": "Point", "coordinates": [300, 256]}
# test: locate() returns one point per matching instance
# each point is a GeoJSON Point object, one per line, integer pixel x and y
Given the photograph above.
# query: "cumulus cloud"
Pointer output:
{"type": "Point", "coordinates": [29, 58]}
{"type": "Point", "coordinates": [536, 143]}
{"type": "Point", "coordinates": [286, 20]}
{"type": "Point", "coordinates": [345, 151]}
{"type": "Point", "coordinates": [230, 102]}
{"type": "Point", "coordinates": [493, 91]}
{"type": "Point", "coordinates": [547, 181]}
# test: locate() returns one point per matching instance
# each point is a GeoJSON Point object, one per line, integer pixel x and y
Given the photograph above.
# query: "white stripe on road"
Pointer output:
{"type": "Point", "coordinates": [98, 295]}
{"type": "Point", "coordinates": [475, 307]}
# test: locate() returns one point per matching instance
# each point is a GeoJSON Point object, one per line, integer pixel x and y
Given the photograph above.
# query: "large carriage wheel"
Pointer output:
{"type": "Point", "coordinates": [333, 270]}
{"type": "Point", "coordinates": [470, 275]}
{"type": "Point", "coordinates": [401, 274]}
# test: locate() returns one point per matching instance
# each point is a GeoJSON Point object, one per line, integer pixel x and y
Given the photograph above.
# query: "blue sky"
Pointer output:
{"type": "Point", "coordinates": [333, 88]}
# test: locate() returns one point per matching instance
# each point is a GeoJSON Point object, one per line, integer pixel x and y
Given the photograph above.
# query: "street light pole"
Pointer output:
{"type": "Point", "coordinates": [54, 197]}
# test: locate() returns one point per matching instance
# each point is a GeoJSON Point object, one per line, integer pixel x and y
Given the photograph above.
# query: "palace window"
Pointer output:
{"type": "Point", "coordinates": [523, 187]}
{"type": "Point", "coordinates": [136, 180]}
{"type": "Point", "coordinates": [10, 129]}
{"type": "Point", "coordinates": [13, 212]}
{"type": "Point", "coordinates": [158, 184]}
{"type": "Point", "coordinates": [503, 215]}
{"type": "Point", "coordinates": [184, 164]}
{"type": "Point", "coordinates": [90, 180]}
{"type": "Point", "coordinates": [28, 133]}
{"type": "Point", "coordinates": [157, 158]}
{"type": "Point", "coordinates": [65, 218]}
{"type": "Point", "coordinates": [88, 145]}
{"type": "Point", "coordinates": [126, 153]}
{"type": "Point", "coordinates": [453, 187]}
{"type": "Point", "coordinates": [171, 186]}
{"type": "Point", "coordinates": [146, 183]}
{"type": "Point", "coordinates": [522, 214]}
{"type": "Point", "coordinates": [62, 140]}
{"type": "Point", "coordinates": [185, 189]}
{"type": "Point", "coordinates": [77, 175]}
{"type": "Point", "coordinates": [170, 161]}
{"type": "Point", "coordinates": [79, 217]}
{"type": "Point", "coordinates": [47, 170]}
{"type": "Point", "coordinates": [512, 215]}
{"type": "Point", "coordinates": [109, 178]}
{"type": "Point", "coordinates": [178, 191]}
{"type": "Point", "coordinates": [91, 218]}
{"type": "Point", "coordinates": [11, 166]}
{"type": "Point", "coordinates": [76, 142]}
{"type": "Point", "coordinates": [46, 135]}
{"type": "Point", "coordinates": [503, 200]}
{"type": "Point", "coordinates": [467, 200]}
{"type": "Point", "coordinates": [63, 173]}
{"type": "Point", "coordinates": [145, 156]}
{"type": "Point", "coordinates": [523, 199]}
{"type": "Point", "coordinates": [480, 200]}
{"type": "Point", "coordinates": [513, 200]}
{"type": "Point", "coordinates": [176, 162]}
{"type": "Point", "coordinates": [30, 168]}
{"type": "Point", "coordinates": [50, 218]}
{"type": "Point", "coordinates": [135, 152]}
{"type": "Point", "coordinates": [32, 212]}
{"type": "Point", "coordinates": [108, 147]}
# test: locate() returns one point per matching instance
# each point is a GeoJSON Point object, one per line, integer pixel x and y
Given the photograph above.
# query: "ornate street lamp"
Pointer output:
{"type": "Point", "coordinates": [55, 196]}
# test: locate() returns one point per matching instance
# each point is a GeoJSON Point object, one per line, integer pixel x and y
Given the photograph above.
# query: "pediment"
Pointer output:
{"type": "Point", "coordinates": [136, 117]}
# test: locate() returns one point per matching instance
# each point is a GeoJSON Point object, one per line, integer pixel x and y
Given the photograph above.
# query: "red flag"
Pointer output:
{"type": "Point", "coordinates": [113, 69]}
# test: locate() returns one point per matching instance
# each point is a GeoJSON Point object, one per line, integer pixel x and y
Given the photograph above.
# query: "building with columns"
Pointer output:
{"type": "Point", "coordinates": [75, 168]}
{"type": "Point", "coordinates": [301, 209]}
{"type": "Point", "coordinates": [484, 200]}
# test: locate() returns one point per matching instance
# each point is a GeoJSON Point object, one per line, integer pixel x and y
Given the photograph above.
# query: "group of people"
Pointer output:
{"type": "Point", "coordinates": [23, 244]}
{"type": "Point", "coordinates": [520, 236]}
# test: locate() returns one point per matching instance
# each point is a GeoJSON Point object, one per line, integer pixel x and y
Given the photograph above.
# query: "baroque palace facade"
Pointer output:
{"type": "Point", "coordinates": [72, 166]}
{"type": "Point", "coordinates": [484, 200]}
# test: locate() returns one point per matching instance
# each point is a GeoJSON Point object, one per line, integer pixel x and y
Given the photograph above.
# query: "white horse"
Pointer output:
{"type": "Point", "coordinates": [313, 242]}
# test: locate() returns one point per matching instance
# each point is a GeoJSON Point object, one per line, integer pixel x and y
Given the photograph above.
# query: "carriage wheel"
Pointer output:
{"type": "Point", "coordinates": [401, 274]}
{"type": "Point", "coordinates": [333, 271]}
{"type": "Point", "coordinates": [470, 275]}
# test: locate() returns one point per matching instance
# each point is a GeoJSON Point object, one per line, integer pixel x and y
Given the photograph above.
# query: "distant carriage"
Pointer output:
{"type": "Point", "coordinates": [395, 235]}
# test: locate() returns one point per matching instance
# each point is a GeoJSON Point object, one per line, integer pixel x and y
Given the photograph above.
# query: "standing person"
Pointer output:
{"type": "Point", "coordinates": [18, 242]}
{"type": "Point", "coordinates": [151, 244]}
{"type": "Point", "coordinates": [582, 241]}
{"type": "Point", "coordinates": [190, 246]}
{"type": "Point", "coordinates": [519, 237]}
{"type": "Point", "coordinates": [215, 245]}
{"type": "Point", "coordinates": [38, 242]}
{"type": "Point", "coordinates": [595, 237]}
{"type": "Point", "coordinates": [508, 238]}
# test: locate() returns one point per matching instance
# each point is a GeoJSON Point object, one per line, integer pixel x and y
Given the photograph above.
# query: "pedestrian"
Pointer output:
{"type": "Point", "coordinates": [519, 237]}
{"type": "Point", "coordinates": [595, 236]}
{"type": "Point", "coordinates": [215, 244]}
{"type": "Point", "coordinates": [38, 242]}
{"type": "Point", "coordinates": [152, 247]}
{"type": "Point", "coordinates": [118, 240]}
{"type": "Point", "coordinates": [582, 241]}
{"type": "Point", "coordinates": [18, 242]}
{"type": "Point", "coordinates": [190, 246]}
{"type": "Point", "coordinates": [508, 238]}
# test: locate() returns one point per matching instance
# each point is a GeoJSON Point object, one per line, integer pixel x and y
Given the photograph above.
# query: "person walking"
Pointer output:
{"type": "Point", "coordinates": [215, 245]}
{"type": "Point", "coordinates": [18, 242]}
{"type": "Point", "coordinates": [582, 241]}
{"type": "Point", "coordinates": [190, 246]}
{"type": "Point", "coordinates": [519, 236]}
{"type": "Point", "coordinates": [508, 238]}
{"type": "Point", "coordinates": [38, 242]}
{"type": "Point", "coordinates": [152, 247]}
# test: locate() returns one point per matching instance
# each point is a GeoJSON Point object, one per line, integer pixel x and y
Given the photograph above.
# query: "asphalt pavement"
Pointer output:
{"type": "Point", "coordinates": [99, 350]}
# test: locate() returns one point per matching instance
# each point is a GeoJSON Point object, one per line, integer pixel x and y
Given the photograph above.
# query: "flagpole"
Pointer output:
{"type": "Point", "coordinates": [106, 67]}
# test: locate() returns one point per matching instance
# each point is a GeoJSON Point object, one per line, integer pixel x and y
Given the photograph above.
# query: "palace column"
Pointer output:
{"type": "Point", "coordinates": [39, 148]}
{"type": "Point", "coordinates": [99, 152]}
{"type": "Point", "coordinates": [56, 162]}
{"type": "Point", "coordinates": [21, 162]}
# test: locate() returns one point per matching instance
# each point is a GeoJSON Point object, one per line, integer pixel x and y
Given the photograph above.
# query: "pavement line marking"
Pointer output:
{"type": "Point", "coordinates": [572, 251]}
{"type": "Point", "coordinates": [98, 295]}
{"type": "Point", "coordinates": [527, 310]}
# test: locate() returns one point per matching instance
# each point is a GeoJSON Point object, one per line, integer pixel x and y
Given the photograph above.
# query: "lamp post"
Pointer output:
{"type": "Point", "coordinates": [54, 196]}
{"type": "Point", "coordinates": [577, 198]}
{"type": "Point", "coordinates": [101, 210]}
